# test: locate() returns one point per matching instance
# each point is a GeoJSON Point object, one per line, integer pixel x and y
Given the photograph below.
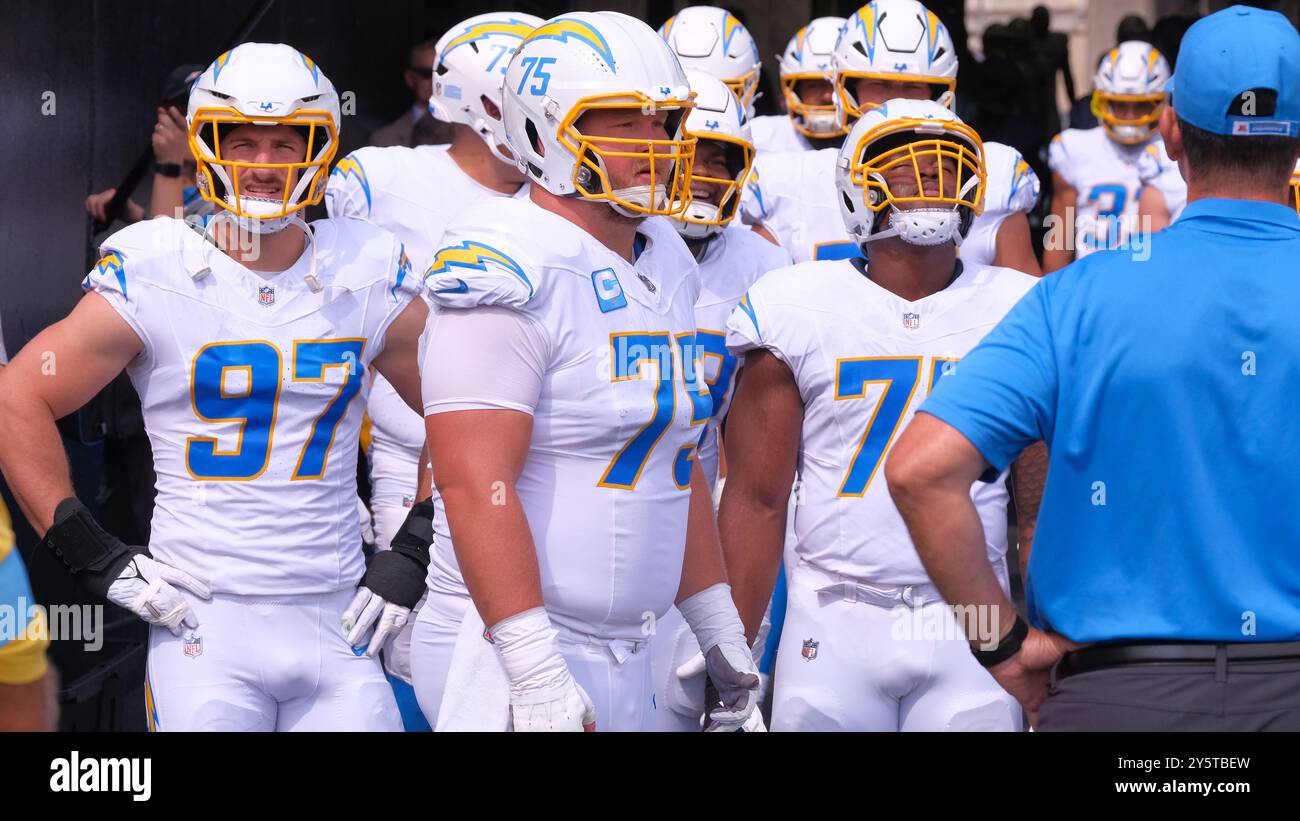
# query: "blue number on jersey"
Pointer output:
{"type": "Point", "coordinates": [252, 404]}
{"type": "Point", "coordinates": [701, 402]}
{"type": "Point", "coordinates": [851, 379]}
{"type": "Point", "coordinates": [846, 249]}
{"type": "Point", "coordinates": [1108, 215]}
{"type": "Point", "coordinates": [310, 359]}
{"type": "Point", "coordinates": [713, 343]}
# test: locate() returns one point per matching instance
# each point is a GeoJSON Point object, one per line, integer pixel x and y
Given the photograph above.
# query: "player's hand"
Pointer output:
{"type": "Point", "coordinates": [728, 659]}
{"type": "Point", "coordinates": [393, 584]}
{"type": "Point", "coordinates": [171, 137]}
{"type": "Point", "coordinates": [369, 609]}
{"type": "Point", "coordinates": [1026, 674]}
{"type": "Point", "coordinates": [147, 587]}
{"type": "Point", "coordinates": [543, 694]}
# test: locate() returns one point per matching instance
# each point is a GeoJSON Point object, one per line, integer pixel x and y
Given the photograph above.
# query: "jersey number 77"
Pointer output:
{"type": "Point", "coordinates": [899, 375]}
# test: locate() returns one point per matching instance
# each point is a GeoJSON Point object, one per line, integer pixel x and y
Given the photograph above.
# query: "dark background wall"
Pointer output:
{"type": "Point", "coordinates": [100, 65]}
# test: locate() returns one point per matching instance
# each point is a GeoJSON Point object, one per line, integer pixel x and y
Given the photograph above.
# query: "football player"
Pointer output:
{"type": "Point", "coordinates": [838, 354]}
{"type": "Point", "coordinates": [810, 121]}
{"type": "Point", "coordinates": [248, 343]}
{"type": "Point", "coordinates": [889, 48]}
{"type": "Point", "coordinates": [415, 192]}
{"type": "Point", "coordinates": [562, 432]}
{"type": "Point", "coordinates": [730, 259]}
{"type": "Point", "coordinates": [1095, 176]}
{"type": "Point", "coordinates": [714, 41]}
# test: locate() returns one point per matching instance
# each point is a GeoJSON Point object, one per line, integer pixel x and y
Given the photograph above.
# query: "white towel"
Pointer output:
{"type": "Point", "coordinates": [477, 695]}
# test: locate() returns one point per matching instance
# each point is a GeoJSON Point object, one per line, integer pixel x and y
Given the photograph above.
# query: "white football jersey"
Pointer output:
{"type": "Point", "coordinates": [1156, 170]}
{"type": "Point", "coordinates": [1104, 174]}
{"type": "Point", "coordinates": [623, 403]}
{"type": "Point", "coordinates": [1010, 186]}
{"type": "Point", "coordinates": [252, 388]}
{"type": "Point", "coordinates": [775, 133]}
{"type": "Point", "coordinates": [793, 194]}
{"type": "Point", "coordinates": [413, 192]}
{"type": "Point", "coordinates": [732, 262]}
{"type": "Point", "coordinates": [864, 360]}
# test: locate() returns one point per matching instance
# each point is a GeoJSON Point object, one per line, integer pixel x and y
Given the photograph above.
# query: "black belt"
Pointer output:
{"type": "Point", "coordinates": [1103, 656]}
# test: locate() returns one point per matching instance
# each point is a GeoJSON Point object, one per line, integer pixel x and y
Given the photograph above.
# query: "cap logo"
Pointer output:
{"type": "Point", "coordinates": [1254, 102]}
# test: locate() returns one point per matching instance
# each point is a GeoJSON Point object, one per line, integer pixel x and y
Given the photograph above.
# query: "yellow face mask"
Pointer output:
{"type": "Point", "coordinates": [802, 113]}
{"type": "Point", "coordinates": [729, 201]}
{"type": "Point", "coordinates": [1131, 129]}
{"type": "Point", "coordinates": [1295, 190]}
{"type": "Point", "coordinates": [218, 178]}
{"type": "Point", "coordinates": [956, 144]}
{"type": "Point", "coordinates": [590, 178]}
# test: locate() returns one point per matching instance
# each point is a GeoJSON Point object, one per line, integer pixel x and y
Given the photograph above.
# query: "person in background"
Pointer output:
{"type": "Point", "coordinates": [174, 193]}
{"type": "Point", "coordinates": [416, 126]}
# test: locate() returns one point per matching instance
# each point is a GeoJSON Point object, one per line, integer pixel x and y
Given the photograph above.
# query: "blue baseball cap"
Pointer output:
{"type": "Point", "coordinates": [1239, 74]}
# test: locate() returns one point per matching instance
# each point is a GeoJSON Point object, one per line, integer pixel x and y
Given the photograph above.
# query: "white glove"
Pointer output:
{"type": "Point", "coordinates": [368, 609]}
{"type": "Point", "coordinates": [145, 588]}
{"type": "Point", "coordinates": [543, 695]}
{"type": "Point", "coordinates": [728, 660]}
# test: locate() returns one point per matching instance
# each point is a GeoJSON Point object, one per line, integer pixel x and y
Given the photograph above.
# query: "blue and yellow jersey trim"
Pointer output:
{"type": "Point", "coordinates": [112, 262]}
{"type": "Point", "coordinates": [475, 256]}
{"type": "Point", "coordinates": [566, 28]}
{"type": "Point", "coordinates": [22, 656]}
{"type": "Point", "coordinates": [351, 165]}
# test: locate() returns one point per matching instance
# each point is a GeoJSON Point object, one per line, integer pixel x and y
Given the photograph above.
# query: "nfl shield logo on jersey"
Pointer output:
{"type": "Point", "coordinates": [266, 295]}
{"type": "Point", "coordinates": [810, 649]}
{"type": "Point", "coordinates": [193, 646]}
{"type": "Point", "coordinates": [911, 321]}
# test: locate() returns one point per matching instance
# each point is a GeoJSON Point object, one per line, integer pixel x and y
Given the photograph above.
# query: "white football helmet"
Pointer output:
{"type": "Point", "coordinates": [808, 57]}
{"type": "Point", "coordinates": [896, 40]}
{"type": "Point", "coordinates": [263, 84]}
{"type": "Point", "coordinates": [716, 117]}
{"type": "Point", "coordinates": [470, 68]}
{"type": "Point", "coordinates": [588, 61]}
{"type": "Point", "coordinates": [904, 133]}
{"type": "Point", "coordinates": [1133, 72]}
{"type": "Point", "coordinates": [712, 40]}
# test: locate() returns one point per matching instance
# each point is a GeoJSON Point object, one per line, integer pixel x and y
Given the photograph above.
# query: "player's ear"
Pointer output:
{"type": "Point", "coordinates": [1172, 134]}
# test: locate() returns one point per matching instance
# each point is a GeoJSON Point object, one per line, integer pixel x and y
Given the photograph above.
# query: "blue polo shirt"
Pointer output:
{"type": "Point", "coordinates": [1168, 392]}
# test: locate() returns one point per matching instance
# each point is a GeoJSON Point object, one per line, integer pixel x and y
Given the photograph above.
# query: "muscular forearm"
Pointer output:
{"type": "Point", "coordinates": [494, 546]}
{"type": "Point", "coordinates": [32, 457]}
{"type": "Point", "coordinates": [702, 565]}
{"type": "Point", "coordinates": [753, 539]}
{"type": "Point", "coordinates": [1028, 477]}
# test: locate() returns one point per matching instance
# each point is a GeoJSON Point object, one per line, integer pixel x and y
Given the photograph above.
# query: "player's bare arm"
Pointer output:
{"type": "Point", "coordinates": [56, 373]}
{"type": "Point", "coordinates": [763, 443]}
{"type": "Point", "coordinates": [1057, 255]}
{"type": "Point", "coordinates": [1028, 477]}
{"type": "Point", "coordinates": [1014, 246]}
{"type": "Point", "coordinates": [930, 472]}
{"type": "Point", "coordinates": [400, 360]}
{"type": "Point", "coordinates": [31, 707]}
{"type": "Point", "coordinates": [477, 456]}
{"type": "Point", "coordinates": [1153, 210]}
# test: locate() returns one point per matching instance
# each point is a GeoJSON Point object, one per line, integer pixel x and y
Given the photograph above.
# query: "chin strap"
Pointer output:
{"type": "Point", "coordinates": [209, 237]}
